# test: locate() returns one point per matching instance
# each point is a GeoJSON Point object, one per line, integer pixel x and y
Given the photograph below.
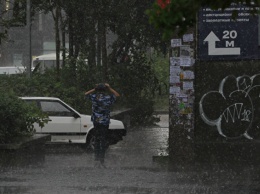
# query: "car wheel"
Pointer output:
{"type": "Point", "coordinates": [91, 143]}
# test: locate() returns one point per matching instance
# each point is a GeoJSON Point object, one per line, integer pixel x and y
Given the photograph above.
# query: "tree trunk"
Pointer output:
{"type": "Point", "coordinates": [64, 47]}
{"type": "Point", "coordinates": [71, 41]}
{"type": "Point", "coordinates": [92, 45]}
{"type": "Point", "coordinates": [99, 44]}
{"type": "Point", "coordinates": [63, 39]}
{"type": "Point", "coordinates": [104, 53]}
{"type": "Point", "coordinates": [57, 38]}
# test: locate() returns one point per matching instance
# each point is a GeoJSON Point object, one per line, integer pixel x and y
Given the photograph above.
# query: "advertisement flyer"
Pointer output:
{"type": "Point", "coordinates": [175, 42]}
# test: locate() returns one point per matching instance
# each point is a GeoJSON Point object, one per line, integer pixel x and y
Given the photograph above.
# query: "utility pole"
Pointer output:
{"type": "Point", "coordinates": [28, 23]}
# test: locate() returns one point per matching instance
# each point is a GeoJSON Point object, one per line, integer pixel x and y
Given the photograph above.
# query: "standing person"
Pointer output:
{"type": "Point", "coordinates": [101, 103]}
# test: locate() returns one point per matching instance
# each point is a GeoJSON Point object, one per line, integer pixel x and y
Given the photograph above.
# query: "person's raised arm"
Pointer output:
{"type": "Point", "coordinates": [112, 90]}
{"type": "Point", "coordinates": [90, 91]}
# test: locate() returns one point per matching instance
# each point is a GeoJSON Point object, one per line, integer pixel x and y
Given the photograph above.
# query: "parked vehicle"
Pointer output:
{"type": "Point", "coordinates": [47, 61]}
{"type": "Point", "coordinates": [43, 62]}
{"type": "Point", "coordinates": [66, 125]}
{"type": "Point", "coordinates": [8, 70]}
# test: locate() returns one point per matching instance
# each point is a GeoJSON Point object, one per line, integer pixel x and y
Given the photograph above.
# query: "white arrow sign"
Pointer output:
{"type": "Point", "coordinates": [212, 50]}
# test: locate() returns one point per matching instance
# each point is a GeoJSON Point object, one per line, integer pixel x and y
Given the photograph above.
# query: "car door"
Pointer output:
{"type": "Point", "coordinates": [64, 124]}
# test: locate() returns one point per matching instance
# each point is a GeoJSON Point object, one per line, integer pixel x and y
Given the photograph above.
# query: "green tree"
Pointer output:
{"type": "Point", "coordinates": [88, 22]}
{"type": "Point", "coordinates": [12, 13]}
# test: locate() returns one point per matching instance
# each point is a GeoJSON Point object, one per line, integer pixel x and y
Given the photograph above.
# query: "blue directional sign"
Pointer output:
{"type": "Point", "coordinates": [221, 37]}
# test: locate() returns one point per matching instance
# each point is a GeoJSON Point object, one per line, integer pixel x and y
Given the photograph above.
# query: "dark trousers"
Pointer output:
{"type": "Point", "coordinates": [100, 142]}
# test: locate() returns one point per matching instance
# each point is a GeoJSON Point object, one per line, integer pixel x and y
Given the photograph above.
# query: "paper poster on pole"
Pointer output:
{"type": "Point", "coordinates": [188, 75]}
{"type": "Point", "coordinates": [174, 61]}
{"type": "Point", "coordinates": [187, 85]}
{"type": "Point", "coordinates": [184, 99]}
{"type": "Point", "coordinates": [181, 95]}
{"type": "Point", "coordinates": [185, 61]}
{"type": "Point", "coordinates": [175, 70]}
{"type": "Point", "coordinates": [187, 37]}
{"type": "Point", "coordinates": [193, 61]}
{"type": "Point", "coordinates": [175, 90]}
{"type": "Point", "coordinates": [176, 42]}
{"type": "Point", "coordinates": [185, 51]}
{"type": "Point", "coordinates": [174, 79]}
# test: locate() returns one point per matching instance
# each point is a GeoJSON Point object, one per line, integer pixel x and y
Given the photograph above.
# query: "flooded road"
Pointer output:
{"type": "Point", "coordinates": [130, 168]}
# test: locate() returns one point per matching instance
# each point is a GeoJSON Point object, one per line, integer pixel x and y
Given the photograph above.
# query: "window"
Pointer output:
{"type": "Point", "coordinates": [53, 108]}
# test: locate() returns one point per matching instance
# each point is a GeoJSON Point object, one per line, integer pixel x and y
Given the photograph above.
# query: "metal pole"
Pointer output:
{"type": "Point", "coordinates": [28, 23]}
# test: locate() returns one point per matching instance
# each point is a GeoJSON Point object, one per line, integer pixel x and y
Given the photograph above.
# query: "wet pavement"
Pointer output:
{"type": "Point", "coordinates": [131, 167]}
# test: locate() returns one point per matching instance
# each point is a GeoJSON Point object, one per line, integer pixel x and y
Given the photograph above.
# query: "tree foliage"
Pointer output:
{"type": "Point", "coordinates": [87, 23]}
{"type": "Point", "coordinates": [16, 117]}
{"type": "Point", "coordinates": [12, 13]}
{"type": "Point", "coordinates": [160, 65]}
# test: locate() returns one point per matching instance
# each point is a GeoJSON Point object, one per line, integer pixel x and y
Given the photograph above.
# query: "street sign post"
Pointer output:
{"type": "Point", "coordinates": [220, 37]}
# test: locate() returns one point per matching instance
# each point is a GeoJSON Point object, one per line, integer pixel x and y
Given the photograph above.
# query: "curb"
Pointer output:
{"type": "Point", "coordinates": [37, 139]}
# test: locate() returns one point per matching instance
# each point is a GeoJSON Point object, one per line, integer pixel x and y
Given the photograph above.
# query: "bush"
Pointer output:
{"type": "Point", "coordinates": [17, 118]}
{"type": "Point", "coordinates": [142, 113]}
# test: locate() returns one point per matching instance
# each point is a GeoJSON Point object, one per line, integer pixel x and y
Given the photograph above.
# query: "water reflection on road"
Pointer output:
{"type": "Point", "coordinates": [130, 169]}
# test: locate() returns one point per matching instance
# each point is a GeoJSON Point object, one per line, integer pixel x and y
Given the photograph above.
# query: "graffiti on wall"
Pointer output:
{"type": "Point", "coordinates": [234, 109]}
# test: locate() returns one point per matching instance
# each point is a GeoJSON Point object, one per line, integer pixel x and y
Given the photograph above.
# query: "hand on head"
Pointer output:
{"type": "Point", "coordinates": [100, 87]}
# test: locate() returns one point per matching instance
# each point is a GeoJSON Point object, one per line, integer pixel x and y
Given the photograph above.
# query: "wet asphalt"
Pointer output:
{"type": "Point", "coordinates": [137, 164]}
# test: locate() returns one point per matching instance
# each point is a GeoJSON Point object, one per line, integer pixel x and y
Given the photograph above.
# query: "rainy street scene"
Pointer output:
{"type": "Point", "coordinates": [138, 164]}
{"type": "Point", "coordinates": [129, 97]}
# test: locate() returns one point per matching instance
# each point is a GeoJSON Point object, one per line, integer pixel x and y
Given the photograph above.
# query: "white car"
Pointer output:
{"type": "Point", "coordinates": [66, 125]}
